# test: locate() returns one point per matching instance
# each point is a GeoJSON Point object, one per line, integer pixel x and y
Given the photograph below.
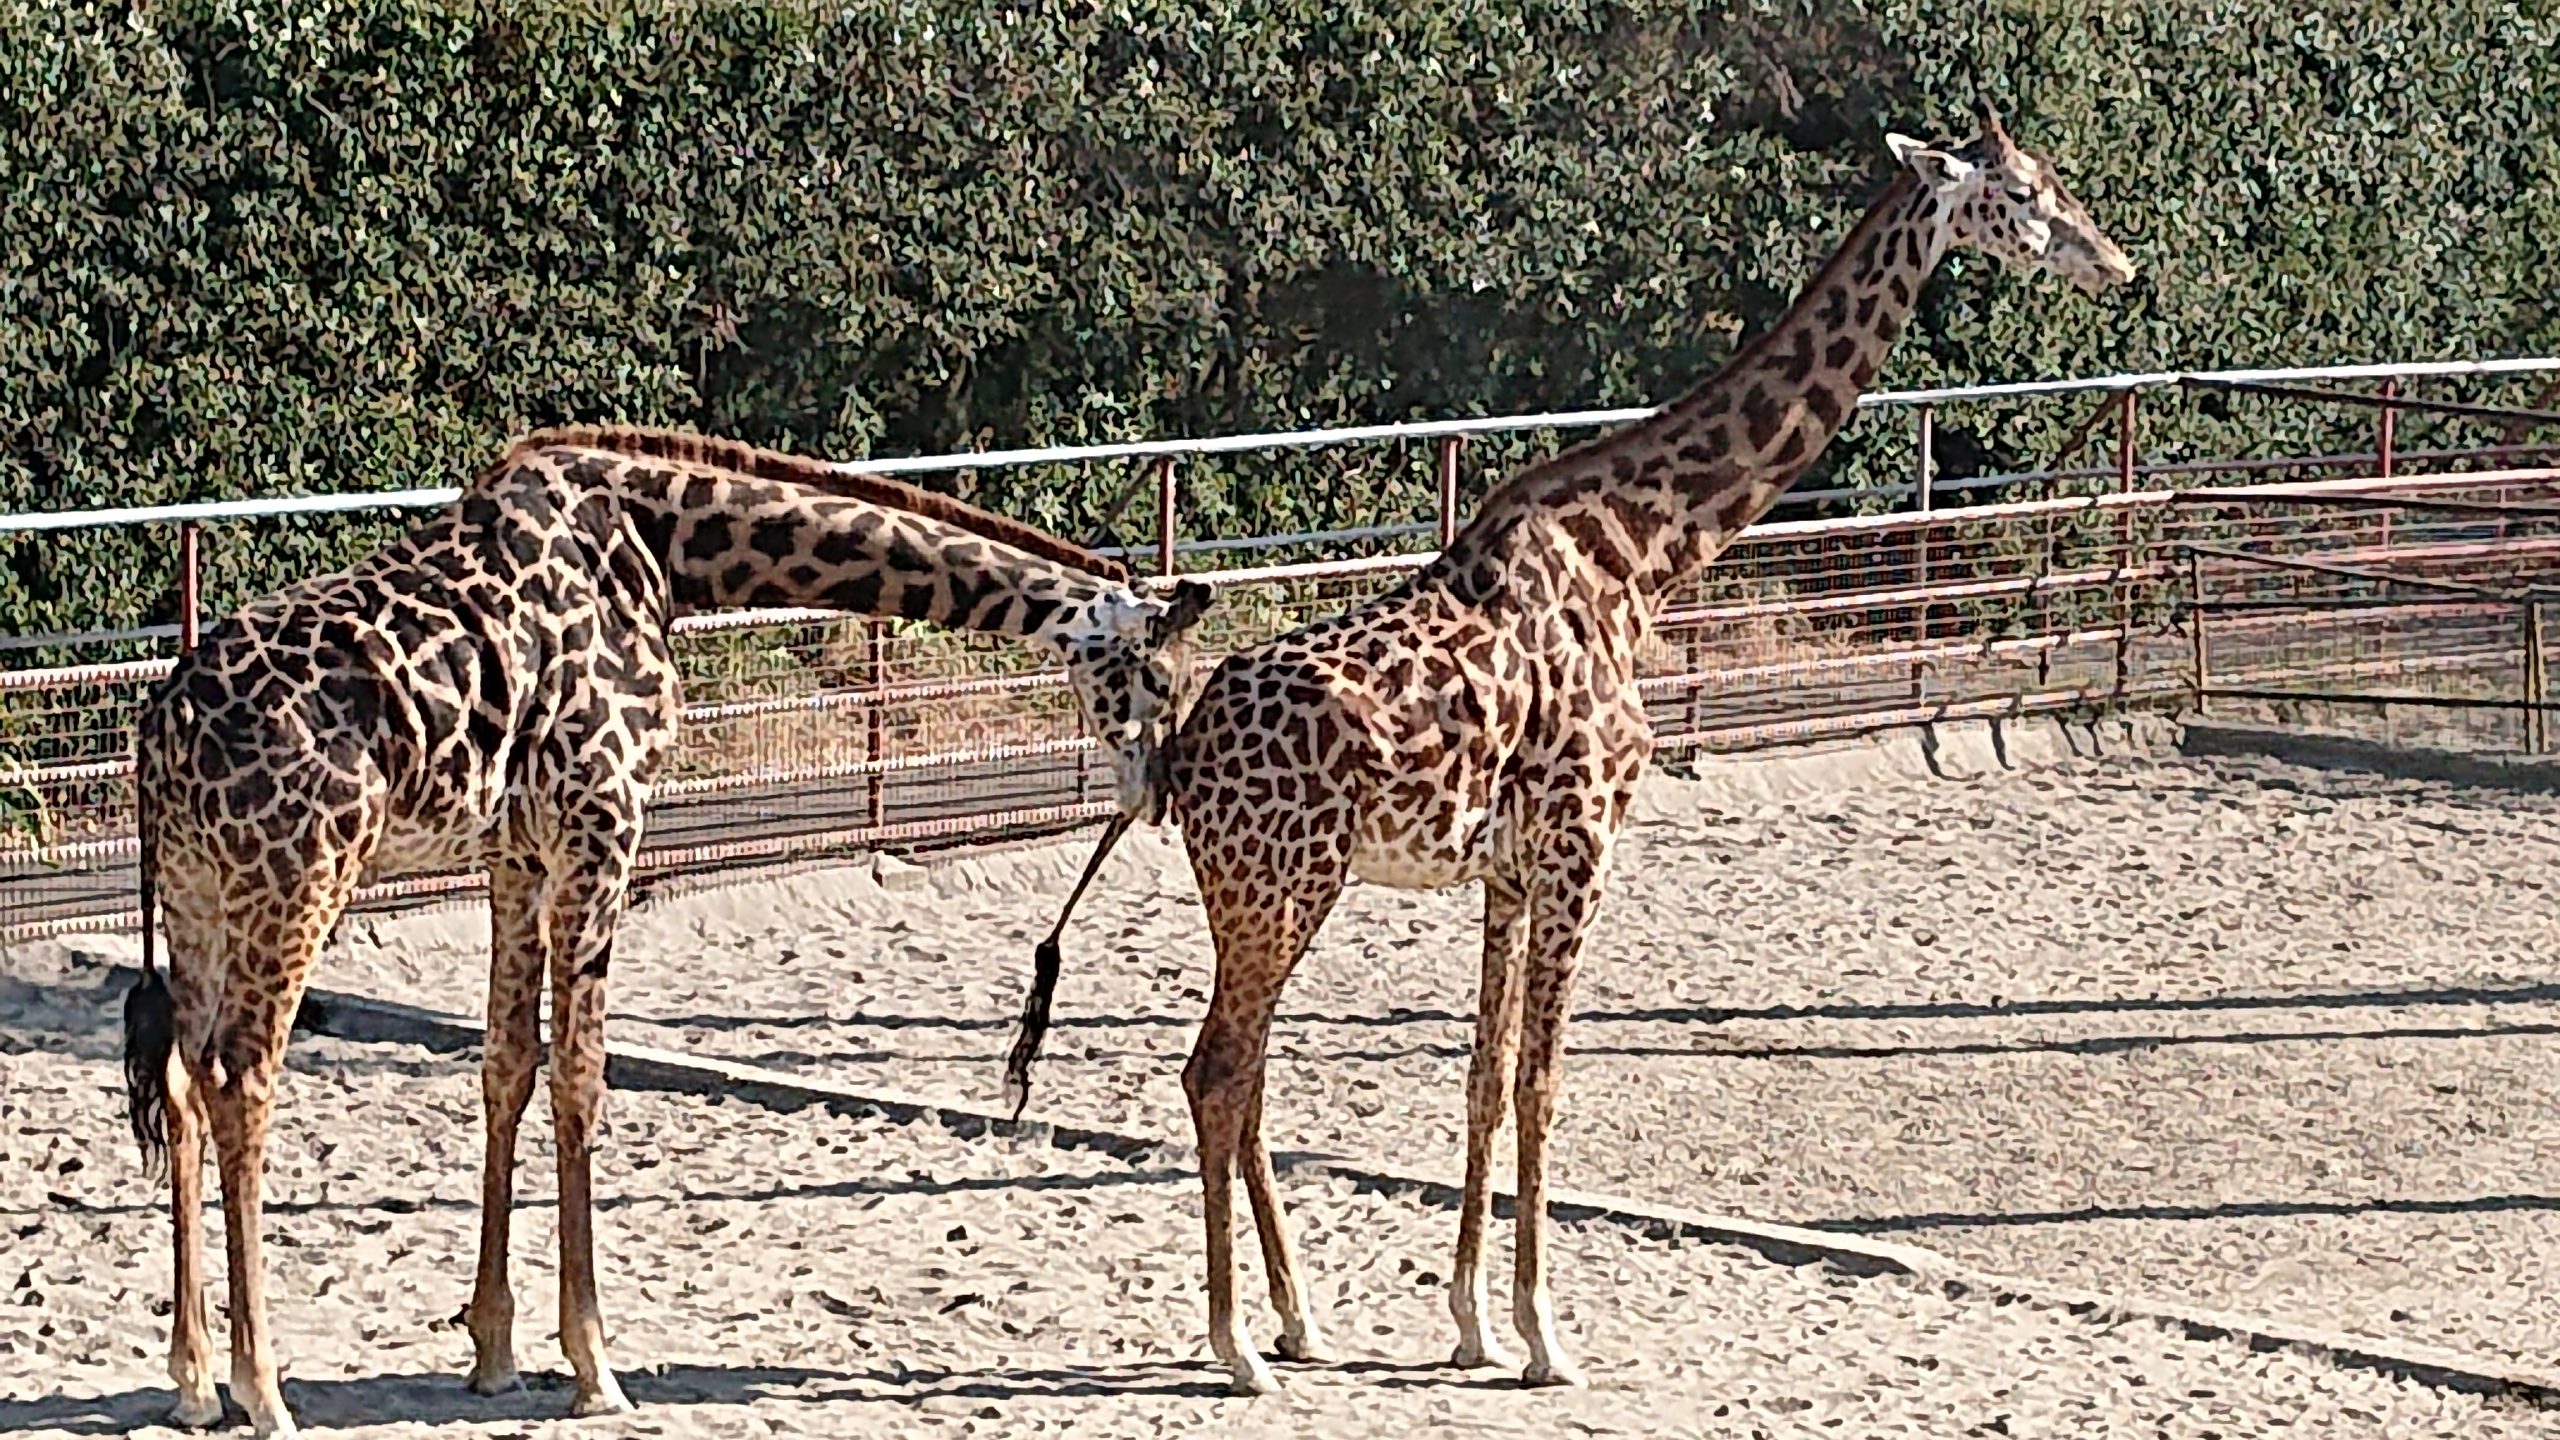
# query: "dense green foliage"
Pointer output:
{"type": "Point", "coordinates": [253, 248]}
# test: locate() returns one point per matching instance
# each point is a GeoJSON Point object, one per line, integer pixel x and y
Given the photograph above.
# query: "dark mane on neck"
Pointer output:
{"type": "Point", "coordinates": [1884, 210]}
{"type": "Point", "coordinates": [685, 446]}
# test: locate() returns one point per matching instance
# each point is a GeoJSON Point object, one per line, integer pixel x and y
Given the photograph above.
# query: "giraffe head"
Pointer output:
{"type": "Point", "coordinates": [2009, 203]}
{"type": "Point", "coordinates": [1130, 664]}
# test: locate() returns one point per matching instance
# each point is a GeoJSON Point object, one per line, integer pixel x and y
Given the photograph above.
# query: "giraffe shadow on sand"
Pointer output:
{"type": "Point", "coordinates": [438, 1398]}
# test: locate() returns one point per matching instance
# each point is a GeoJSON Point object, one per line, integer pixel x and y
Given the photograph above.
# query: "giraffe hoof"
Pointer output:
{"type": "Point", "coordinates": [1481, 1354]}
{"type": "Point", "coordinates": [1252, 1377]}
{"type": "Point", "coordinates": [606, 1399]}
{"type": "Point", "coordinates": [1302, 1347]}
{"type": "Point", "coordinates": [197, 1409]}
{"type": "Point", "coordinates": [495, 1379]}
{"type": "Point", "coordinates": [1555, 1374]}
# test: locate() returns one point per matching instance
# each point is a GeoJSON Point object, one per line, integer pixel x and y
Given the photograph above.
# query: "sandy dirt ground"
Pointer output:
{"type": "Point", "coordinates": [814, 1273]}
{"type": "Point", "coordinates": [2255, 1036]}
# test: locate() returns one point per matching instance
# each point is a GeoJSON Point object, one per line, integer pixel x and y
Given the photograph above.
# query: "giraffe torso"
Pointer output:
{"type": "Point", "coordinates": [1440, 737]}
{"type": "Point", "coordinates": [479, 684]}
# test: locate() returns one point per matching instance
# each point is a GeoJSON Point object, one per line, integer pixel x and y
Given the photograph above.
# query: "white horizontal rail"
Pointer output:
{"type": "Point", "coordinates": [281, 505]}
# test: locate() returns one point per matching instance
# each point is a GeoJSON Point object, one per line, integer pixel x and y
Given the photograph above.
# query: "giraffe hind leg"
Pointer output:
{"type": "Point", "coordinates": [190, 1332]}
{"type": "Point", "coordinates": [1564, 893]}
{"type": "Point", "coordinates": [169, 1127]}
{"type": "Point", "coordinates": [1489, 1072]}
{"type": "Point", "coordinates": [581, 921]}
{"type": "Point", "coordinates": [237, 1073]}
{"type": "Point", "coordinates": [507, 1061]}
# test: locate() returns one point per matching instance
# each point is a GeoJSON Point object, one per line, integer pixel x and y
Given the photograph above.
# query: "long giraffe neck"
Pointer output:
{"type": "Point", "coordinates": [1654, 503]}
{"type": "Point", "coordinates": [733, 538]}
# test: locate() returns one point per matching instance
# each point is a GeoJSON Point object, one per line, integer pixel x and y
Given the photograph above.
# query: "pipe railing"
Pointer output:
{"type": "Point", "coordinates": [294, 505]}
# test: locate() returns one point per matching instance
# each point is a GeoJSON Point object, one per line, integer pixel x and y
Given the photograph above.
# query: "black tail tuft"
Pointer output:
{"type": "Point", "coordinates": [1044, 977]}
{"type": "Point", "coordinates": [149, 1034]}
{"type": "Point", "coordinates": [1035, 1025]}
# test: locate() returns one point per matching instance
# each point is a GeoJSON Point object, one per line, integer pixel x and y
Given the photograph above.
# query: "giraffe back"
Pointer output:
{"type": "Point", "coordinates": [488, 670]}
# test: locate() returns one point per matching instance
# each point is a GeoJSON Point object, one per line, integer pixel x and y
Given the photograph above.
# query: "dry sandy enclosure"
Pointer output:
{"type": "Point", "coordinates": [2233, 1033]}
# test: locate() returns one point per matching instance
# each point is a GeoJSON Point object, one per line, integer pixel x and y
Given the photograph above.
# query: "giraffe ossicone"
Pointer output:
{"type": "Point", "coordinates": [1482, 722]}
{"type": "Point", "coordinates": [497, 689]}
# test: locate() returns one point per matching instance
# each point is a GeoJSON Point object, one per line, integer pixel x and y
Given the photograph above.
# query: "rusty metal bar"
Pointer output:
{"type": "Point", "coordinates": [2080, 437]}
{"type": "Point", "coordinates": [2351, 572]}
{"type": "Point", "coordinates": [1449, 488]}
{"type": "Point", "coordinates": [2385, 401]}
{"type": "Point", "coordinates": [2373, 500]}
{"type": "Point", "coordinates": [875, 723]}
{"type": "Point", "coordinates": [2385, 433]}
{"type": "Point", "coordinates": [1166, 500]}
{"type": "Point", "coordinates": [2515, 433]}
{"type": "Point", "coordinates": [2536, 724]}
{"type": "Point", "coordinates": [2364, 697]}
{"type": "Point", "coordinates": [1786, 731]}
{"type": "Point", "coordinates": [874, 767]}
{"type": "Point", "coordinates": [190, 587]}
{"type": "Point", "coordinates": [2195, 625]}
{"type": "Point", "coordinates": [2124, 442]}
{"type": "Point", "coordinates": [2125, 466]}
{"type": "Point", "coordinates": [1924, 474]}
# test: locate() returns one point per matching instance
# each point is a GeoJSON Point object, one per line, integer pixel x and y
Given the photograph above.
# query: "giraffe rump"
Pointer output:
{"type": "Point", "coordinates": [690, 448]}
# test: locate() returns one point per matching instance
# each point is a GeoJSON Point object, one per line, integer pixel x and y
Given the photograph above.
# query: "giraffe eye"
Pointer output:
{"type": "Point", "coordinates": [2020, 194]}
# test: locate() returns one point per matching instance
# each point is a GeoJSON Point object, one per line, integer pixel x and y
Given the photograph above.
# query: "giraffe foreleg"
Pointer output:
{"type": "Point", "coordinates": [1564, 891]}
{"type": "Point", "coordinates": [507, 1061]}
{"type": "Point", "coordinates": [1219, 1081]}
{"type": "Point", "coordinates": [1489, 1072]}
{"type": "Point", "coordinates": [583, 918]}
{"type": "Point", "coordinates": [1298, 1338]}
{"type": "Point", "coordinates": [1262, 927]}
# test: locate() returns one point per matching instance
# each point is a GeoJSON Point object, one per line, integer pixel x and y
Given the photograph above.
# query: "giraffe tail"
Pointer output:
{"type": "Point", "coordinates": [1044, 980]}
{"type": "Point", "coordinates": [150, 1019]}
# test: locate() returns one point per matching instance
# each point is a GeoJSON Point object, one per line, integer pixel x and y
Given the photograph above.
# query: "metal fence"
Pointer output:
{"type": "Point", "coordinates": [809, 732]}
{"type": "Point", "coordinates": [2442, 638]}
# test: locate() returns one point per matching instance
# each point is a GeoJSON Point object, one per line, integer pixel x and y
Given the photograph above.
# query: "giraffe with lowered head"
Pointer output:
{"type": "Point", "coordinates": [1481, 721]}
{"type": "Point", "coordinates": [497, 689]}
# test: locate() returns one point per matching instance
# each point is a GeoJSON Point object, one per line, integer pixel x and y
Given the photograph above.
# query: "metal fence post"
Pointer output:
{"type": "Point", "coordinates": [2386, 431]}
{"type": "Point", "coordinates": [1165, 501]}
{"type": "Point", "coordinates": [2195, 625]}
{"type": "Point", "coordinates": [2124, 442]}
{"type": "Point", "coordinates": [874, 724]}
{"type": "Point", "coordinates": [2125, 468]}
{"type": "Point", "coordinates": [1924, 467]}
{"type": "Point", "coordinates": [1448, 489]}
{"type": "Point", "coordinates": [190, 587]}
{"type": "Point", "coordinates": [2536, 682]}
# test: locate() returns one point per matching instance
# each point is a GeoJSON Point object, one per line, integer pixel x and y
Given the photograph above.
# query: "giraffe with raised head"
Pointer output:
{"type": "Point", "coordinates": [497, 690]}
{"type": "Point", "coordinates": [1481, 721]}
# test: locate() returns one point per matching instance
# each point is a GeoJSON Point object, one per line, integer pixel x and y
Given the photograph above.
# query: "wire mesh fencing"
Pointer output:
{"type": "Point", "coordinates": [810, 734]}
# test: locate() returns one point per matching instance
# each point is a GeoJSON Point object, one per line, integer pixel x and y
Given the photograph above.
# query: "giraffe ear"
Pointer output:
{"type": "Point", "coordinates": [1191, 600]}
{"type": "Point", "coordinates": [1931, 164]}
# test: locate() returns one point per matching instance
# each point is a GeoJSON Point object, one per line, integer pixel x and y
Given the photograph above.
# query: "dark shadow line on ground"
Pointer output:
{"type": "Point", "coordinates": [440, 1398]}
{"type": "Point", "coordinates": [2238, 1210]}
{"type": "Point", "coordinates": [1698, 1014]}
{"type": "Point", "coordinates": [837, 1190]}
{"type": "Point", "coordinates": [808, 1062]}
{"type": "Point", "coordinates": [2085, 1045]}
